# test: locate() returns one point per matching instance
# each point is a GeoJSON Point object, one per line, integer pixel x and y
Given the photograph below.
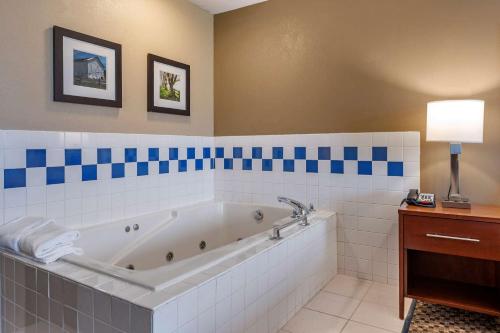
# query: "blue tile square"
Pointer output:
{"type": "Point", "coordinates": [219, 152]}
{"type": "Point", "coordinates": [173, 154]}
{"type": "Point", "coordinates": [118, 170]}
{"type": "Point", "coordinates": [191, 153]}
{"type": "Point", "coordinates": [228, 164]}
{"type": "Point", "coordinates": [364, 167]}
{"type": "Point", "coordinates": [103, 155]}
{"type": "Point", "coordinates": [300, 153]}
{"type": "Point", "coordinates": [36, 158]}
{"type": "Point", "coordinates": [142, 168]}
{"type": "Point", "coordinates": [288, 165]}
{"type": "Point", "coordinates": [237, 152]}
{"type": "Point", "coordinates": [212, 163]}
{"type": "Point", "coordinates": [13, 178]}
{"type": "Point", "coordinates": [267, 164]}
{"type": "Point", "coordinates": [324, 153]}
{"type": "Point", "coordinates": [73, 157]}
{"type": "Point", "coordinates": [277, 153]}
{"type": "Point", "coordinates": [312, 166]}
{"type": "Point", "coordinates": [183, 166]}
{"type": "Point", "coordinates": [153, 154]}
{"type": "Point", "coordinates": [130, 155]}
{"type": "Point", "coordinates": [198, 164]}
{"type": "Point", "coordinates": [164, 167]}
{"type": "Point", "coordinates": [247, 164]}
{"type": "Point", "coordinates": [55, 175]}
{"type": "Point", "coordinates": [256, 153]}
{"type": "Point", "coordinates": [89, 172]}
{"type": "Point", "coordinates": [379, 153]}
{"type": "Point", "coordinates": [337, 166]}
{"type": "Point", "coordinates": [395, 169]}
{"type": "Point", "coordinates": [206, 152]}
{"type": "Point", "coordinates": [350, 153]}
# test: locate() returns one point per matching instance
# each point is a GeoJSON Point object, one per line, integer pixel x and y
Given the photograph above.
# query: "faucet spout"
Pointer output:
{"type": "Point", "coordinates": [299, 208]}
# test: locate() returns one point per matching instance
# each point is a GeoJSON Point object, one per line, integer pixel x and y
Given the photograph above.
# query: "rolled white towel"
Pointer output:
{"type": "Point", "coordinates": [55, 254]}
{"type": "Point", "coordinates": [12, 232]}
{"type": "Point", "coordinates": [47, 240]}
{"type": "Point", "coordinates": [58, 253]}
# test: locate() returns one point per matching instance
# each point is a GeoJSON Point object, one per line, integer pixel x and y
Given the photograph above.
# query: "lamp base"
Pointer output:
{"type": "Point", "coordinates": [454, 198]}
{"type": "Point", "coordinates": [456, 204]}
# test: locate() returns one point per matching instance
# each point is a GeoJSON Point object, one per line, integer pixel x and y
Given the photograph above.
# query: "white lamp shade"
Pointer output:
{"type": "Point", "coordinates": [456, 121]}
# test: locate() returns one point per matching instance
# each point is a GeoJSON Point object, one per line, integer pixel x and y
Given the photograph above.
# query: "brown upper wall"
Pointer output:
{"type": "Point", "coordinates": [295, 66]}
{"type": "Point", "coordinates": [174, 29]}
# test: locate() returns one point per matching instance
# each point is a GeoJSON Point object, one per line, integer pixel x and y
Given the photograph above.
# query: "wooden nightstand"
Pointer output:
{"type": "Point", "coordinates": [450, 256]}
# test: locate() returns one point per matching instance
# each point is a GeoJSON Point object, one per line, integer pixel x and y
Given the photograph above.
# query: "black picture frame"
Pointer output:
{"type": "Point", "coordinates": [58, 70]}
{"type": "Point", "coordinates": [151, 59]}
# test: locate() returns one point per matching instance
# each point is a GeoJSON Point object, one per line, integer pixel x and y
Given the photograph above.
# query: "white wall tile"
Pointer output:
{"type": "Point", "coordinates": [206, 295]}
{"type": "Point", "coordinates": [188, 307]}
{"type": "Point", "coordinates": [15, 197]}
{"type": "Point", "coordinates": [36, 177]}
{"type": "Point", "coordinates": [165, 318]}
{"type": "Point", "coordinates": [14, 158]}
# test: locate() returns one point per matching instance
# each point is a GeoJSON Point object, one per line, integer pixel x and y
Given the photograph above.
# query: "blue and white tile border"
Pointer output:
{"type": "Point", "coordinates": [89, 178]}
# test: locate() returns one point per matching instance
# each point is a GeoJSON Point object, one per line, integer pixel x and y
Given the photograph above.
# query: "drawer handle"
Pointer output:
{"type": "Point", "coordinates": [453, 237]}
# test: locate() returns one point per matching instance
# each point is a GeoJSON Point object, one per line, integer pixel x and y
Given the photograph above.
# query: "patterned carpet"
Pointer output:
{"type": "Point", "coordinates": [430, 318]}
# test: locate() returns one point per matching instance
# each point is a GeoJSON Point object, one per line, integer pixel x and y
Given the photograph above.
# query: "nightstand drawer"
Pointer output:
{"type": "Point", "coordinates": [455, 237]}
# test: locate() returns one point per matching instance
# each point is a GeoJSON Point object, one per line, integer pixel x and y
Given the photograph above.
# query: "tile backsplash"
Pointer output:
{"type": "Point", "coordinates": [361, 176]}
{"type": "Point", "coordinates": [91, 178]}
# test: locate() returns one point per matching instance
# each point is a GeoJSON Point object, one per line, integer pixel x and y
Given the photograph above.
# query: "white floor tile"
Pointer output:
{"type": "Point", "coordinates": [354, 327]}
{"type": "Point", "coordinates": [378, 315]}
{"type": "Point", "coordinates": [333, 304]}
{"type": "Point", "coordinates": [307, 321]}
{"type": "Point", "coordinates": [348, 286]}
{"type": "Point", "coordinates": [384, 294]}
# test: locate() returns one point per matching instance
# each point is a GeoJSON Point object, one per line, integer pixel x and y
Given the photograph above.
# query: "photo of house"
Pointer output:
{"type": "Point", "coordinates": [89, 70]}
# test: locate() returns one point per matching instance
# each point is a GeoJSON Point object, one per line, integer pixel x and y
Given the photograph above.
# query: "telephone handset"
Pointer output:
{"type": "Point", "coordinates": [420, 199]}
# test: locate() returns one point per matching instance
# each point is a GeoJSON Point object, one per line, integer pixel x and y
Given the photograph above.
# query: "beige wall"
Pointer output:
{"type": "Point", "coordinates": [173, 29]}
{"type": "Point", "coordinates": [295, 66]}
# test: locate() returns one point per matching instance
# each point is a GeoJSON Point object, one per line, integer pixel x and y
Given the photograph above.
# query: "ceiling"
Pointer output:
{"type": "Point", "coordinates": [220, 6]}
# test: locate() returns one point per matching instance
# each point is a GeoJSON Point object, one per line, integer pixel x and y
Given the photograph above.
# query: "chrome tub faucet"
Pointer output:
{"type": "Point", "coordinates": [300, 214]}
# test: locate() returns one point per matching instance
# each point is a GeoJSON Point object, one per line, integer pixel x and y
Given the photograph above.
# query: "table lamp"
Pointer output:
{"type": "Point", "coordinates": [456, 122]}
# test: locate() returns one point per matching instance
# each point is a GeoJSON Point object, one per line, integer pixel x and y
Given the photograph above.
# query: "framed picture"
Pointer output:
{"type": "Point", "coordinates": [87, 70]}
{"type": "Point", "coordinates": [168, 86]}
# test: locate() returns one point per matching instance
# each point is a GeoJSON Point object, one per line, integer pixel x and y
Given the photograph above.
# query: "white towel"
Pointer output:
{"type": "Point", "coordinates": [38, 238]}
{"type": "Point", "coordinates": [12, 232]}
{"type": "Point", "coordinates": [47, 240]}
{"type": "Point", "coordinates": [58, 253]}
{"type": "Point", "coordinates": [53, 256]}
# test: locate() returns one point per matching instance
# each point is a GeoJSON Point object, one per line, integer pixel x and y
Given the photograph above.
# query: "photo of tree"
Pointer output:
{"type": "Point", "coordinates": [168, 86]}
{"type": "Point", "coordinates": [89, 70]}
{"type": "Point", "coordinates": [168, 82]}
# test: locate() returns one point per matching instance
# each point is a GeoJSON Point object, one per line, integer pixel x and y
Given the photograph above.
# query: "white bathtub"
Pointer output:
{"type": "Point", "coordinates": [227, 229]}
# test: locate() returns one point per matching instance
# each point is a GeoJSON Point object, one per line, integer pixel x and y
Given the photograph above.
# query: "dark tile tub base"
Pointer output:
{"type": "Point", "coordinates": [35, 300]}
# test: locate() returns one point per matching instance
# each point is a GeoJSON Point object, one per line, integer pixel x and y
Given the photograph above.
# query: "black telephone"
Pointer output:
{"type": "Point", "coordinates": [420, 199]}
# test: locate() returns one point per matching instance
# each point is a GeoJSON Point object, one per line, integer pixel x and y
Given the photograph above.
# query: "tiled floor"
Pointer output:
{"type": "Point", "coordinates": [350, 305]}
